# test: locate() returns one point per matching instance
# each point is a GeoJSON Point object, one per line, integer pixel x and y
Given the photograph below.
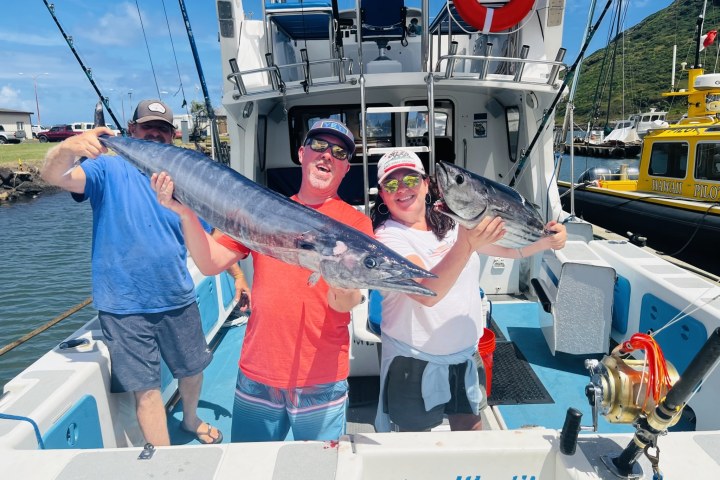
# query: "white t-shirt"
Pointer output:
{"type": "Point", "coordinates": [456, 322]}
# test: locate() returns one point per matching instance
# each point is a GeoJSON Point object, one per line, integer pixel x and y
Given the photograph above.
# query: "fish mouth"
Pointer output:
{"type": "Point", "coordinates": [441, 206]}
{"type": "Point", "coordinates": [405, 285]}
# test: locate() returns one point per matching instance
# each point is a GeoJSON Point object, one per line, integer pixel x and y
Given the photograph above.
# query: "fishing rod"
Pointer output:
{"type": "Point", "coordinates": [551, 109]}
{"type": "Point", "coordinates": [201, 75]}
{"type": "Point", "coordinates": [42, 328]}
{"type": "Point", "coordinates": [87, 71]}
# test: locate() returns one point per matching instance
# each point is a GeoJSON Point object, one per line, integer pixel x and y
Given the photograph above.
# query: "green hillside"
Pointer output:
{"type": "Point", "coordinates": [643, 63]}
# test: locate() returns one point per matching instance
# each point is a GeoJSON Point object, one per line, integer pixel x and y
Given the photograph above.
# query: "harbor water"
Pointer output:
{"type": "Point", "coordinates": [45, 271]}
{"type": "Point", "coordinates": [46, 267]}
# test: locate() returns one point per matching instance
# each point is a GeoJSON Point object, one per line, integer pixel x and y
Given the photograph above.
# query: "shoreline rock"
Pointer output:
{"type": "Point", "coordinates": [22, 183]}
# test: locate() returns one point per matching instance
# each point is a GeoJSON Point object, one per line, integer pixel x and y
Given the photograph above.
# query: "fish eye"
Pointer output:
{"type": "Point", "coordinates": [459, 179]}
{"type": "Point", "coordinates": [306, 246]}
{"type": "Point", "coordinates": [370, 262]}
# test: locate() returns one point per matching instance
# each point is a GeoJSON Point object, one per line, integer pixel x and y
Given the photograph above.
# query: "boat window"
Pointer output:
{"type": "Point", "coordinates": [512, 119]}
{"type": "Point", "coordinates": [417, 124]}
{"type": "Point", "coordinates": [707, 164]}
{"type": "Point", "coordinates": [380, 127]}
{"type": "Point", "coordinates": [669, 159]}
{"type": "Point", "coordinates": [416, 130]}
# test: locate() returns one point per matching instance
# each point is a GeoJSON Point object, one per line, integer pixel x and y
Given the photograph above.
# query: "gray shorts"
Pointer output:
{"type": "Point", "coordinates": [137, 342]}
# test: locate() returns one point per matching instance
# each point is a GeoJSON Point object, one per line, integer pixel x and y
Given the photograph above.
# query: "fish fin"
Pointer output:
{"type": "Point", "coordinates": [99, 120]}
{"type": "Point", "coordinates": [77, 162]}
{"type": "Point", "coordinates": [314, 278]}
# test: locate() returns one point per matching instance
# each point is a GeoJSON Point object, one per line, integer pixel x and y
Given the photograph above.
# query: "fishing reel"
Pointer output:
{"type": "Point", "coordinates": [618, 389]}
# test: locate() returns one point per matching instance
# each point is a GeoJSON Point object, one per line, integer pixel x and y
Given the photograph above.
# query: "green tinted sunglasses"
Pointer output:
{"type": "Point", "coordinates": [411, 180]}
{"type": "Point", "coordinates": [317, 145]}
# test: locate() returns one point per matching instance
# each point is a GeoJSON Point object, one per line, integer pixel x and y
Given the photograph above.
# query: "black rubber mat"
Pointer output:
{"type": "Point", "coordinates": [513, 380]}
{"type": "Point", "coordinates": [363, 390]}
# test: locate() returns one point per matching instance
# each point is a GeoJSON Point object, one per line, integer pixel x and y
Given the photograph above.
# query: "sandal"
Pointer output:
{"type": "Point", "coordinates": [199, 435]}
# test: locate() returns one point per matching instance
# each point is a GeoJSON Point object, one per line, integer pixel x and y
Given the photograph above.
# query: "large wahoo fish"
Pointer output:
{"type": "Point", "coordinates": [269, 223]}
{"type": "Point", "coordinates": [468, 198]}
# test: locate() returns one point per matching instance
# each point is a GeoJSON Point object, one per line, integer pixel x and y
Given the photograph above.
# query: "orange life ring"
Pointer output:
{"type": "Point", "coordinates": [493, 19]}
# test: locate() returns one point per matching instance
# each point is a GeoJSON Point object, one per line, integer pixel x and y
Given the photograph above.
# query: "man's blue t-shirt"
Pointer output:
{"type": "Point", "coordinates": [138, 251]}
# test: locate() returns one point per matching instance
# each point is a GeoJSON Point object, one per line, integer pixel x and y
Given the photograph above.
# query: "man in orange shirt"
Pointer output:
{"type": "Point", "coordinates": [294, 363]}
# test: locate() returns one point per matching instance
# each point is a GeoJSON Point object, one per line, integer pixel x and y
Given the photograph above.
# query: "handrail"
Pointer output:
{"type": "Point", "coordinates": [451, 73]}
{"type": "Point", "coordinates": [42, 328]}
{"type": "Point", "coordinates": [279, 84]}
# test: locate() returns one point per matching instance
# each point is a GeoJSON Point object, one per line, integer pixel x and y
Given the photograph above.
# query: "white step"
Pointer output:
{"type": "Point", "coordinates": [407, 108]}
{"type": "Point", "coordinates": [383, 150]}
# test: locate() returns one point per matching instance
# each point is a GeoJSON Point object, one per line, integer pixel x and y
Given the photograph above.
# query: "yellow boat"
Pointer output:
{"type": "Point", "coordinates": [673, 202]}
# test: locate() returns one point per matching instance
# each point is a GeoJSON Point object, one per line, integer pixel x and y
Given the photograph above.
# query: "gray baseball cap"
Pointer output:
{"type": "Point", "coordinates": [149, 110]}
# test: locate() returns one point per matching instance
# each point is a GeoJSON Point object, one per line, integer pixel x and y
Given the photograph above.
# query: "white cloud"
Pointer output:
{"type": "Point", "coordinates": [10, 98]}
{"type": "Point", "coordinates": [121, 27]}
{"type": "Point", "coordinates": [29, 39]}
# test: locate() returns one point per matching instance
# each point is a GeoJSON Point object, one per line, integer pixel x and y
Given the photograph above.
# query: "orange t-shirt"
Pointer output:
{"type": "Point", "coordinates": [293, 337]}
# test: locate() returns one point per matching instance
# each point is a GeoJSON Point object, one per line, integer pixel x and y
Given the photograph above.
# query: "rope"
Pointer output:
{"type": "Point", "coordinates": [7, 416]}
{"type": "Point", "coordinates": [177, 67]}
{"type": "Point", "coordinates": [147, 47]}
{"type": "Point", "coordinates": [42, 328]}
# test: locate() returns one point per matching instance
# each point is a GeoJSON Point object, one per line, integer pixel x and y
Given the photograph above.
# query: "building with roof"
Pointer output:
{"type": "Point", "coordinates": [14, 120]}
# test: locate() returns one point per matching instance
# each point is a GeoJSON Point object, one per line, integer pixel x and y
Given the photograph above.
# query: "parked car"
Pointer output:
{"type": "Point", "coordinates": [58, 133]}
{"type": "Point", "coordinates": [11, 137]}
{"type": "Point", "coordinates": [81, 126]}
{"type": "Point", "coordinates": [37, 129]}
{"type": "Point", "coordinates": [84, 126]}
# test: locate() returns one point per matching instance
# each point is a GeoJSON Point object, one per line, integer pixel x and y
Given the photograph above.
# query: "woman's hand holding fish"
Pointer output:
{"type": "Point", "coordinates": [557, 241]}
{"type": "Point", "coordinates": [164, 187]}
{"type": "Point", "coordinates": [487, 232]}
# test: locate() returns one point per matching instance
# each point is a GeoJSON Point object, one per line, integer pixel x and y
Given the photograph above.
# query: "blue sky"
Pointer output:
{"type": "Point", "coordinates": [109, 38]}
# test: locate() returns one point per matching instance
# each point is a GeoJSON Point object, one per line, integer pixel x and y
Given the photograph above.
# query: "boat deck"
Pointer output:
{"type": "Point", "coordinates": [563, 377]}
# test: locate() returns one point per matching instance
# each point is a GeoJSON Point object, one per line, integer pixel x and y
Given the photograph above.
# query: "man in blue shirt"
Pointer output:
{"type": "Point", "coordinates": [142, 289]}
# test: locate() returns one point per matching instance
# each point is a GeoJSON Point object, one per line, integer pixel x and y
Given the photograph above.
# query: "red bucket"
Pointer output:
{"type": "Point", "coordinates": [486, 347]}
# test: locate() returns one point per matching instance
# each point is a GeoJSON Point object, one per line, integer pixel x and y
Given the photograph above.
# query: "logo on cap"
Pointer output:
{"type": "Point", "coordinates": [335, 126]}
{"type": "Point", "coordinates": [156, 107]}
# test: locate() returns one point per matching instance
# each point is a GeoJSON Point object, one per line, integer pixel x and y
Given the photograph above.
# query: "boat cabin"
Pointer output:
{"type": "Point", "coordinates": [682, 161]}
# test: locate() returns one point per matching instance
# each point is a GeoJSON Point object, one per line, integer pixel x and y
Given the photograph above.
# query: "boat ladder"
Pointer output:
{"type": "Point", "coordinates": [429, 148]}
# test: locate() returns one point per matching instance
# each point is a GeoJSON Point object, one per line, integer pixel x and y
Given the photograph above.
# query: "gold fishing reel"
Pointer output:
{"type": "Point", "coordinates": [618, 388]}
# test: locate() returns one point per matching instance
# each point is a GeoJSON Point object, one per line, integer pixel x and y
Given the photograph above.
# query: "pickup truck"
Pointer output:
{"type": "Point", "coordinates": [84, 126]}
{"type": "Point", "coordinates": [58, 133]}
{"type": "Point", "coordinates": [11, 137]}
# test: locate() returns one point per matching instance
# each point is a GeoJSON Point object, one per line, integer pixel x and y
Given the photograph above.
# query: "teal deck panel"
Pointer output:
{"type": "Point", "coordinates": [218, 391]}
{"type": "Point", "coordinates": [563, 375]}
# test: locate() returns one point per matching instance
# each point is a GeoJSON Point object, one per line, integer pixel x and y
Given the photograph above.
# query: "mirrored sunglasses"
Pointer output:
{"type": "Point", "coordinates": [411, 180]}
{"type": "Point", "coordinates": [320, 146]}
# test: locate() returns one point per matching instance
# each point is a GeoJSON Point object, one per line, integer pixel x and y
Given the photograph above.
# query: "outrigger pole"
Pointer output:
{"type": "Point", "coordinates": [201, 75]}
{"type": "Point", "coordinates": [551, 109]}
{"type": "Point", "coordinates": [88, 72]}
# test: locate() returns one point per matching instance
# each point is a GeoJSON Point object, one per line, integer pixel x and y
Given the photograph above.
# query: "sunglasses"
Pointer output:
{"type": "Point", "coordinates": [320, 146]}
{"type": "Point", "coordinates": [161, 127]}
{"type": "Point", "coordinates": [411, 180]}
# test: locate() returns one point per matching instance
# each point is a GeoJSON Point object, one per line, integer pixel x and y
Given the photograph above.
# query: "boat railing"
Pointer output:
{"type": "Point", "coordinates": [278, 84]}
{"type": "Point", "coordinates": [555, 68]}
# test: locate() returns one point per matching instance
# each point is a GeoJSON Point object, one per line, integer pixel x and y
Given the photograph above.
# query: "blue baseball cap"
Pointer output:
{"type": "Point", "coordinates": [336, 129]}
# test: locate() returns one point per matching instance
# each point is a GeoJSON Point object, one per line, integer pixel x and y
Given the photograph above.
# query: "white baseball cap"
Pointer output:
{"type": "Point", "coordinates": [397, 159]}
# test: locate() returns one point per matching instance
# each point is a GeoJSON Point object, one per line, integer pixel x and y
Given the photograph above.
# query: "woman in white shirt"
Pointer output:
{"type": "Point", "coordinates": [427, 367]}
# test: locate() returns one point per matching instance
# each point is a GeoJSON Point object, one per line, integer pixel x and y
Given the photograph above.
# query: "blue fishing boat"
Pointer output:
{"type": "Point", "coordinates": [475, 87]}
